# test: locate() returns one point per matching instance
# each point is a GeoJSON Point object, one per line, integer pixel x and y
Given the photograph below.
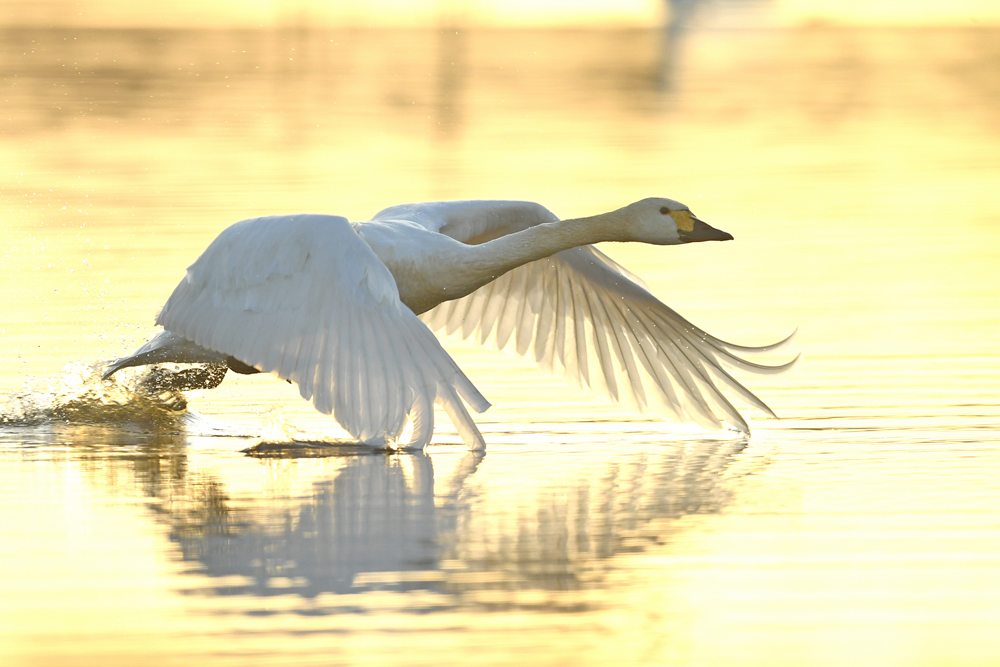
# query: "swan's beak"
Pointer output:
{"type": "Point", "coordinates": [702, 231]}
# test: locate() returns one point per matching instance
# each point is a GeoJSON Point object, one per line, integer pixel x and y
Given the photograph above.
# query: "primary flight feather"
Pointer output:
{"type": "Point", "coordinates": [343, 309]}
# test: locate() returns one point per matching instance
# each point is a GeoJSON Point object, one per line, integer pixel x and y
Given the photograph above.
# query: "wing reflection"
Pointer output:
{"type": "Point", "coordinates": [374, 516]}
{"type": "Point", "coordinates": [381, 523]}
{"type": "Point", "coordinates": [566, 536]}
{"type": "Point", "coordinates": [472, 530]}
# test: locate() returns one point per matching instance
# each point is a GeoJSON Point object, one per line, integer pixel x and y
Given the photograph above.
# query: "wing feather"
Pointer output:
{"type": "Point", "coordinates": [636, 352]}
{"type": "Point", "coordinates": [300, 366]}
{"type": "Point", "coordinates": [394, 380]}
{"type": "Point", "coordinates": [560, 353]}
{"type": "Point", "coordinates": [670, 355]}
{"type": "Point", "coordinates": [305, 298]}
{"type": "Point", "coordinates": [472, 221]}
{"type": "Point", "coordinates": [546, 314]}
{"type": "Point", "coordinates": [455, 318]}
{"type": "Point", "coordinates": [581, 316]}
{"type": "Point", "coordinates": [350, 375]}
{"type": "Point", "coordinates": [509, 309]}
{"type": "Point", "coordinates": [621, 367]}
{"type": "Point", "coordinates": [495, 301]}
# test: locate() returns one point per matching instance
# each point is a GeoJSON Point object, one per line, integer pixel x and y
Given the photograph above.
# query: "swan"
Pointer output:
{"type": "Point", "coordinates": [346, 310]}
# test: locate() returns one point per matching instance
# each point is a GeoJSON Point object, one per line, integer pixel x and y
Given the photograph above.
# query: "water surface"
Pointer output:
{"type": "Point", "coordinates": [857, 170]}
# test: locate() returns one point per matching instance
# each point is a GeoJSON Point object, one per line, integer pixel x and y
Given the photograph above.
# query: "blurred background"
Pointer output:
{"type": "Point", "coordinates": [835, 140]}
{"type": "Point", "coordinates": [853, 150]}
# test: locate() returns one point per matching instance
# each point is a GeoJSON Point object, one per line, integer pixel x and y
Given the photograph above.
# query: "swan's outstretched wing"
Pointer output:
{"type": "Point", "coordinates": [582, 316]}
{"type": "Point", "coordinates": [472, 221]}
{"type": "Point", "coordinates": [303, 297]}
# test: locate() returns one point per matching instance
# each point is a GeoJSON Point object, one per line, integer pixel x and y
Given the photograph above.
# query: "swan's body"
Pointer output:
{"type": "Point", "coordinates": [333, 306]}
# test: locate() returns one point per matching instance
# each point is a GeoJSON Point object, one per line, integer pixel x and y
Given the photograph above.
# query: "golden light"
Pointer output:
{"type": "Point", "coordinates": [493, 13]}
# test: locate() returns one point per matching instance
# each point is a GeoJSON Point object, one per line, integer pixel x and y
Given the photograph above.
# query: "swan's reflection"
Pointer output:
{"type": "Point", "coordinates": [383, 523]}
{"type": "Point", "coordinates": [470, 528]}
{"type": "Point", "coordinates": [565, 535]}
{"type": "Point", "coordinates": [373, 516]}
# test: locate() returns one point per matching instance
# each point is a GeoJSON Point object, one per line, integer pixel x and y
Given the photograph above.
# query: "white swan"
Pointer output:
{"type": "Point", "coordinates": [333, 306]}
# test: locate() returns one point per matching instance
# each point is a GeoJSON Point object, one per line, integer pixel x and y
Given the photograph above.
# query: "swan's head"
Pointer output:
{"type": "Point", "coordinates": [667, 222]}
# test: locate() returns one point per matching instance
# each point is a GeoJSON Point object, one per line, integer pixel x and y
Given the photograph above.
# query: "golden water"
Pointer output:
{"type": "Point", "coordinates": [858, 171]}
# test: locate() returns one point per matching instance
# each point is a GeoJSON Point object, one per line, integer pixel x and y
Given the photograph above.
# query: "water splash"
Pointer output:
{"type": "Point", "coordinates": [278, 429]}
{"type": "Point", "coordinates": [80, 396]}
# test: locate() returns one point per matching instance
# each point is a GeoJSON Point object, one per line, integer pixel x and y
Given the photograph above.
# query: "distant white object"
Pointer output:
{"type": "Point", "coordinates": [333, 306]}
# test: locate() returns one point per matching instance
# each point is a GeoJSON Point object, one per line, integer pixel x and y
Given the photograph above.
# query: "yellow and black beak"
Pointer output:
{"type": "Point", "coordinates": [691, 229]}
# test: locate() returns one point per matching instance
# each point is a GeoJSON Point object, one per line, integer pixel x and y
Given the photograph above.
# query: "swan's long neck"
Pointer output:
{"type": "Point", "coordinates": [450, 270]}
{"type": "Point", "coordinates": [495, 258]}
{"type": "Point", "coordinates": [473, 266]}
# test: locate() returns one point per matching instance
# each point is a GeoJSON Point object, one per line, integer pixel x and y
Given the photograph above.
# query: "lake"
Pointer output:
{"type": "Point", "coordinates": [858, 170]}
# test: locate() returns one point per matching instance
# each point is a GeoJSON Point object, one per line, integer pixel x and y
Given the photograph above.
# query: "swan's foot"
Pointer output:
{"type": "Point", "coordinates": [159, 380]}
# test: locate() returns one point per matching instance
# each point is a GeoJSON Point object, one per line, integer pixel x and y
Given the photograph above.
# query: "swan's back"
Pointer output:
{"type": "Point", "coordinates": [471, 221]}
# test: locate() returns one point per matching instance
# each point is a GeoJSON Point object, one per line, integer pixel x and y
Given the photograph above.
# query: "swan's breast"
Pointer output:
{"type": "Point", "coordinates": [429, 268]}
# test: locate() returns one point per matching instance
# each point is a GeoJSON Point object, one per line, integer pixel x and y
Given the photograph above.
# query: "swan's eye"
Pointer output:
{"type": "Point", "coordinates": [664, 210]}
